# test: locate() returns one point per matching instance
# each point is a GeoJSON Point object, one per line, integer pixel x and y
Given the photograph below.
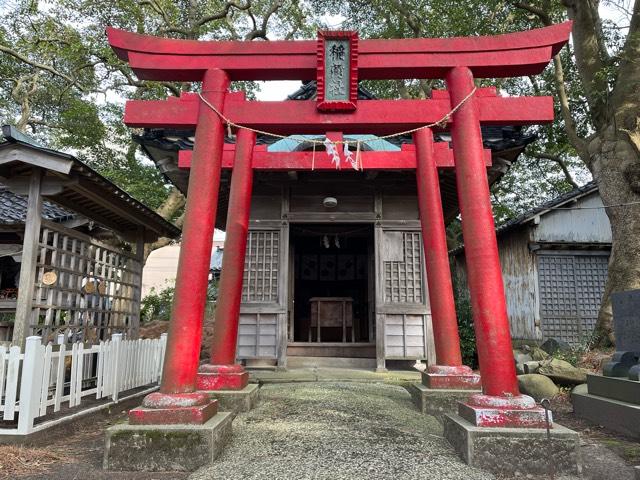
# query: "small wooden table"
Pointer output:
{"type": "Point", "coordinates": [332, 312]}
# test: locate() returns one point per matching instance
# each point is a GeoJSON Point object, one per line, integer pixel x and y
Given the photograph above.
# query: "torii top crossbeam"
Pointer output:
{"type": "Point", "coordinates": [509, 55]}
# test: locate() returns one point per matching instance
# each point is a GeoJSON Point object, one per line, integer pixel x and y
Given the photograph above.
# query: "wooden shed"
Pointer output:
{"type": "Point", "coordinates": [554, 264]}
{"type": "Point", "coordinates": [334, 266]}
{"type": "Point", "coordinates": [79, 240]}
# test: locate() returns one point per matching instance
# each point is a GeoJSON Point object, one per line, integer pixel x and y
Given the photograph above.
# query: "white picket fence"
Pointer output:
{"type": "Point", "coordinates": [44, 379]}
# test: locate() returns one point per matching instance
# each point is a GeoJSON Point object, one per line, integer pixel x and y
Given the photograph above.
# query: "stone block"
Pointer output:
{"type": "Point", "coordinates": [621, 417]}
{"type": "Point", "coordinates": [531, 367]}
{"type": "Point", "coordinates": [207, 381]}
{"type": "Point", "coordinates": [515, 451]}
{"type": "Point", "coordinates": [615, 388]}
{"type": "Point", "coordinates": [537, 386]}
{"type": "Point", "coordinates": [626, 314]}
{"type": "Point", "coordinates": [166, 447]}
{"type": "Point", "coordinates": [437, 402]}
{"type": "Point", "coordinates": [448, 381]}
{"type": "Point", "coordinates": [197, 414]}
{"type": "Point", "coordinates": [236, 401]}
{"type": "Point", "coordinates": [620, 364]}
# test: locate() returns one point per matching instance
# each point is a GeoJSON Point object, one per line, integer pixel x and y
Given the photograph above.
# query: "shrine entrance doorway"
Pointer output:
{"type": "Point", "coordinates": [331, 291]}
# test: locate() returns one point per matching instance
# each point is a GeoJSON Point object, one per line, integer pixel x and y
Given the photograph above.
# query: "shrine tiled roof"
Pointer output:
{"type": "Point", "coordinates": [89, 193]}
{"type": "Point", "coordinates": [13, 209]}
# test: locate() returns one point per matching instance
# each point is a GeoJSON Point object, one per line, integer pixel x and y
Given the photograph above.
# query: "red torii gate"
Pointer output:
{"type": "Point", "coordinates": [458, 61]}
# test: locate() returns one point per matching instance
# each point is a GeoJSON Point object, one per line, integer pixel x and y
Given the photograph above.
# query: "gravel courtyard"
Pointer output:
{"type": "Point", "coordinates": [337, 431]}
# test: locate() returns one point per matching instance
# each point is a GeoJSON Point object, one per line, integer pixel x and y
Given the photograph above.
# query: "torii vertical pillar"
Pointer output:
{"type": "Point", "coordinates": [223, 373]}
{"type": "Point", "coordinates": [178, 401]}
{"type": "Point", "coordinates": [500, 404]}
{"type": "Point", "coordinates": [449, 372]}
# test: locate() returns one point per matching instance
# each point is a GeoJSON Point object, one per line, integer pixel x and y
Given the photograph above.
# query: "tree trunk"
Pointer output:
{"type": "Point", "coordinates": [615, 165]}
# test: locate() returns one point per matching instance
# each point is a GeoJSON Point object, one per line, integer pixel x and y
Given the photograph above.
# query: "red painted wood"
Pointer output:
{"type": "Point", "coordinates": [514, 54]}
{"type": "Point", "coordinates": [481, 250]}
{"type": "Point", "coordinates": [225, 331]}
{"type": "Point", "coordinates": [376, 117]}
{"type": "Point", "coordinates": [405, 159]}
{"type": "Point", "coordinates": [509, 63]}
{"type": "Point", "coordinates": [434, 240]}
{"type": "Point", "coordinates": [185, 329]}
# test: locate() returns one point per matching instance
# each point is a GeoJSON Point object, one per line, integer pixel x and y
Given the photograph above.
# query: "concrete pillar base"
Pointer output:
{"type": "Point", "coordinates": [222, 377]}
{"type": "Point", "coordinates": [236, 401]}
{"type": "Point", "coordinates": [515, 451]}
{"type": "Point", "coordinates": [456, 378]}
{"type": "Point", "coordinates": [166, 447]}
{"type": "Point", "coordinates": [437, 402]}
{"type": "Point", "coordinates": [519, 411]}
{"type": "Point", "coordinates": [173, 409]}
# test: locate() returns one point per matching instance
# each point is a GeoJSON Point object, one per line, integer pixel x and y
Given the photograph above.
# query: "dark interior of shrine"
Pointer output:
{"type": "Point", "coordinates": [332, 282]}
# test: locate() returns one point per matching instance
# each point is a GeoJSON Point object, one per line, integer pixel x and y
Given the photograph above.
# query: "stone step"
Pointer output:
{"type": "Point", "coordinates": [331, 362]}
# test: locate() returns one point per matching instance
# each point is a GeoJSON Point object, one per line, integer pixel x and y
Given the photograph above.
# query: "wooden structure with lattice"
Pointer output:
{"type": "Point", "coordinates": [80, 274]}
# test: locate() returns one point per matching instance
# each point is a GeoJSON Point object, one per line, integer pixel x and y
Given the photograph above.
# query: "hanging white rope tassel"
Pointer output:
{"type": "Point", "coordinates": [332, 151]}
{"type": "Point", "coordinates": [313, 157]}
{"type": "Point", "coordinates": [358, 156]}
{"type": "Point", "coordinates": [348, 156]}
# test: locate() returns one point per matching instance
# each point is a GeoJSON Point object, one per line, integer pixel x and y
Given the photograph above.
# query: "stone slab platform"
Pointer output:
{"type": "Point", "coordinates": [615, 388]}
{"type": "Point", "coordinates": [621, 417]}
{"type": "Point", "coordinates": [236, 401]}
{"type": "Point", "coordinates": [515, 451]}
{"type": "Point", "coordinates": [166, 447]}
{"type": "Point", "coordinates": [437, 402]}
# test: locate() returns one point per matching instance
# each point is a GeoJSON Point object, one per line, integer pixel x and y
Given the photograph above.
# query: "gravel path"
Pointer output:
{"type": "Point", "coordinates": [337, 431]}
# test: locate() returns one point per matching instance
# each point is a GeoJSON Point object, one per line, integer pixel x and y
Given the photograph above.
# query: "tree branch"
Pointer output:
{"type": "Point", "coordinates": [42, 66]}
{"type": "Point", "coordinates": [628, 77]}
{"type": "Point", "coordinates": [591, 57]}
{"type": "Point", "coordinates": [565, 110]}
{"type": "Point", "coordinates": [558, 76]}
{"type": "Point", "coordinates": [558, 160]}
{"type": "Point", "coordinates": [223, 13]}
{"type": "Point", "coordinates": [262, 31]}
{"type": "Point", "coordinates": [192, 31]}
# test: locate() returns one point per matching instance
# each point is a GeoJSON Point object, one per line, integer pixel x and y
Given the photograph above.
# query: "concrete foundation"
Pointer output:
{"type": "Point", "coordinates": [236, 401]}
{"type": "Point", "coordinates": [437, 402]}
{"type": "Point", "coordinates": [166, 447]}
{"type": "Point", "coordinates": [615, 388]}
{"type": "Point", "coordinates": [616, 415]}
{"type": "Point", "coordinates": [515, 451]}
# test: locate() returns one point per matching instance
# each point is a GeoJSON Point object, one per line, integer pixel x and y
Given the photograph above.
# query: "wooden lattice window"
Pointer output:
{"type": "Point", "coordinates": [84, 289]}
{"type": "Point", "coordinates": [403, 270]}
{"type": "Point", "coordinates": [571, 290]}
{"type": "Point", "coordinates": [260, 283]}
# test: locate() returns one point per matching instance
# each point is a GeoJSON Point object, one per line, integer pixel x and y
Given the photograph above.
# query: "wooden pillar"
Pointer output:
{"type": "Point", "coordinates": [448, 371]}
{"type": "Point", "coordinates": [177, 401]}
{"type": "Point", "coordinates": [137, 295]}
{"type": "Point", "coordinates": [24, 305]}
{"type": "Point", "coordinates": [445, 324]}
{"type": "Point", "coordinates": [223, 373]}
{"type": "Point", "coordinates": [501, 404]}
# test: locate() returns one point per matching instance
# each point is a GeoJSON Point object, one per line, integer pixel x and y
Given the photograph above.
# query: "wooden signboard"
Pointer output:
{"type": "Point", "coordinates": [337, 70]}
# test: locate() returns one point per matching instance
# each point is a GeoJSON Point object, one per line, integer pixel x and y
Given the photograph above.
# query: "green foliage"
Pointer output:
{"type": "Point", "coordinates": [575, 354]}
{"type": "Point", "coordinates": [465, 323]}
{"type": "Point", "coordinates": [534, 178]}
{"type": "Point", "coordinates": [61, 82]}
{"type": "Point", "coordinates": [157, 304]}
